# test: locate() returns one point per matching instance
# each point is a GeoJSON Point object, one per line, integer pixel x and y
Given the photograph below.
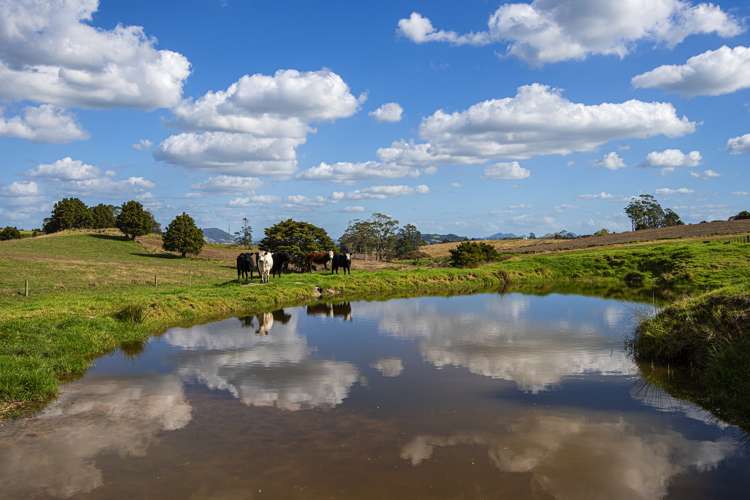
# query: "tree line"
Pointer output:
{"type": "Point", "coordinates": [131, 218]}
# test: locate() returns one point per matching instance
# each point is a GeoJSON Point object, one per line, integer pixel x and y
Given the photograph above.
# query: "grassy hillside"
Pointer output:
{"type": "Point", "coordinates": [90, 293]}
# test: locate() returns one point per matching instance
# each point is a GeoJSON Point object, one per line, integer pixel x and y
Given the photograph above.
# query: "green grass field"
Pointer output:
{"type": "Point", "coordinates": [90, 293]}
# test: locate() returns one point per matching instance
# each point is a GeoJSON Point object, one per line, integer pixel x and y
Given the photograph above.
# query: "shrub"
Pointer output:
{"type": "Point", "coordinates": [10, 233]}
{"type": "Point", "coordinates": [471, 254]}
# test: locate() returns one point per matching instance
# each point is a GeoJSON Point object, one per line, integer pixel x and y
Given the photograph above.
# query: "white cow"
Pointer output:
{"type": "Point", "coordinates": [265, 263]}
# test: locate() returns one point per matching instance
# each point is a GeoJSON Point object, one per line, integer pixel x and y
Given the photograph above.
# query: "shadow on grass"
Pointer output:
{"type": "Point", "coordinates": [113, 237]}
{"type": "Point", "coordinates": [161, 255]}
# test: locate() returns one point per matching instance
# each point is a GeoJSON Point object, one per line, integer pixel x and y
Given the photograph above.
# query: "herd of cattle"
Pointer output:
{"type": "Point", "coordinates": [268, 264]}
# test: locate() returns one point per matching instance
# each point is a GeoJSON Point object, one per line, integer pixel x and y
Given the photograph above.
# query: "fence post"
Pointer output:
{"type": "Point", "coordinates": [26, 289]}
{"type": "Point", "coordinates": [156, 281]}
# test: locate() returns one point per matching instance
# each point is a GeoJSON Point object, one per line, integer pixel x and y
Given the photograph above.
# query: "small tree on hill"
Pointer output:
{"type": "Point", "coordinates": [296, 238]}
{"type": "Point", "coordinates": [244, 237]}
{"type": "Point", "coordinates": [133, 220]}
{"type": "Point", "coordinates": [602, 232]}
{"type": "Point", "coordinates": [183, 236]}
{"type": "Point", "coordinates": [744, 215]}
{"type": "Point", "coordinates": [10, 233]}
{"type": "Point", "coordinates": [103, 216]}
{"type": "Point", "coordinates": [68, 213]}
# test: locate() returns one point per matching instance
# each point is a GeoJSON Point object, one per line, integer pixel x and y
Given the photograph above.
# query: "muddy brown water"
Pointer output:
{"type": "Point", "coordinates": [484, 396]}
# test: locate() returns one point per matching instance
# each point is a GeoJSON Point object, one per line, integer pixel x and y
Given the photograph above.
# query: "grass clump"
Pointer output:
{"type": "Point", "coordinates": [709, 338]}
{"type": "Point", "coordinates": [133, 313]}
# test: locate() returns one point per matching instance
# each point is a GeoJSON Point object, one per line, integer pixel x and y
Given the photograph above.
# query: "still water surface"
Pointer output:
{"type": "Point", "coordinates": [485, 396]}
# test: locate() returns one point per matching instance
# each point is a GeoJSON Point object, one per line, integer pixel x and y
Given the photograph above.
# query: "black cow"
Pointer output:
{"type": "Point", "coordinates": [280, 263]}
{"type": "Point", "coordinates": [343, 261]}
{"type": "Point", "coordinates": [246, 264]}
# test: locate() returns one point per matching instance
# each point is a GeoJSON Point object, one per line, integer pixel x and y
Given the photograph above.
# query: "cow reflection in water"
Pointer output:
{"type": "Point", "coordinates": [265, 321]}
{"type": "Point", "coordinates": [340, 310]}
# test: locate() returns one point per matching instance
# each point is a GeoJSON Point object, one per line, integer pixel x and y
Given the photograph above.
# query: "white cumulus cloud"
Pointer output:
{"type": "Point", "coordinates": [50, 53]}
{"type": "Point", "coordinates": [538, 120]}
{"type": "Point", "coordinates": [389, 112]}
{"type": "Point", "coordinates": [348, 171]}
{"type": "Point", "coordinates": [43, 123]}
{"type": "Point", "coordinates": [738, 145]}
{"type": "Point", "coordinates": [229, 184]}
{"type": "Point", "coordinates": [506, 171]}
{"type": "Point", "coordinates": [611, 161]}
{"type": "Point", "coordinates": [548, 31]}
{"type": "Point", "coordinates": [255, 125]}
{"type": "Point", "coordinates": [669, 159]}
{"type": "Point", "coordinates": [671, 191]}
{"type": "Point", "coordinates": [714, 72]}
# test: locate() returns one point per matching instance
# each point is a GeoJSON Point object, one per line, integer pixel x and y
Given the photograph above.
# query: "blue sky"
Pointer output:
{"type": "Point", "coordinates": [514, 117]}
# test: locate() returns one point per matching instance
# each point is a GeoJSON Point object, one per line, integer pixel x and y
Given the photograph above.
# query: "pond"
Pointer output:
{"type": "Point", "coordinates": [483, 396]}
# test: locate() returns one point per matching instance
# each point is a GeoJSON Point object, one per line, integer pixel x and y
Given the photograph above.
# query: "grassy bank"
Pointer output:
{"type": "Point", "coordinates": [708, 339]}
{"type": "Point", "coordinates": [91, 293]}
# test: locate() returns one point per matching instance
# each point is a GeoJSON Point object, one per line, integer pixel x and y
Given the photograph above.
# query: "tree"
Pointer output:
{"type": "Point", "coordinates": [408, 240]}
{"type": "Point", "coordinates": [103, 216]}
{"type": "Point", "coordinates": [297, 239]}
{"type": "Point", "coordinates": [741, 216]}
{"type": "Point", "coordinates": [602, 232]}
{"type": "Point", "coordinates": [384, 228]}
{"type": "Point", "coordinates": [359, 237]}
{"type": "Point", "coordinates": [244, 236]}
{"type": "Point", "coordinates": [646, 213]}
{"type": "Point", "coordinates": [10, 233]}
{"type": "Point", "coordinates": [68, 213]}
{"type": "Point", "coordinates": [133, 220]}
{"type": "Point", "coordinates": [183, 236]}
{"type": "Point", "coordinates": [671, 218]}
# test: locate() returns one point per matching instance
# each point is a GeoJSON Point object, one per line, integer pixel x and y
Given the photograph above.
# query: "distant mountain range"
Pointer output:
{"type": "Point", "coordinates": [216, 235]}
{"type": "Point", "coordinates": [433, 238]}
{"type": "Point", "coordinates": [503, 236]}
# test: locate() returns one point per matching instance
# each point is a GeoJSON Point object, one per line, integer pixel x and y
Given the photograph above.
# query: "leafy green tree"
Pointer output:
{"type": "Point", "coordinates": [741, 216]}
{"type": "Point", "coordinates": [602, 232]}
{"type": "Point", "coordinates": [384, 227]}
{"type": "Point", "coordinates": [68, 213]}
{"type": "Point", "coordinates": [359, 237]}
{"type": "Point", "coordinates": [134, 220]}
{"type": "Point", "coordinates": [10, 233]}
{"type": "Point", "coordinates": [671, 218]}
{"type": "Point", "coordinates": [297, 239]}
{"type": "Point", "coordinates": [244, 237]}
{"type": "Point", "coordinates": [472, 254]}
{"type": "Point", "coordinates": [408, 240]}
{"type": "Point", "coordinates": [103, 216]}
{"type": "Point", "coordinates": [646, 213]}
{"type": "Point", "coordinates": [183, 236]}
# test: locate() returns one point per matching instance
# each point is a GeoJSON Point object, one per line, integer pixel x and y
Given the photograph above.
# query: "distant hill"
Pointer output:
{"type": "Point", "coordinates": [503, 236]}
{"type": "Point", "coordinates": [216, 235]}
{"type": "Point", "coordinates": [433, 238]}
